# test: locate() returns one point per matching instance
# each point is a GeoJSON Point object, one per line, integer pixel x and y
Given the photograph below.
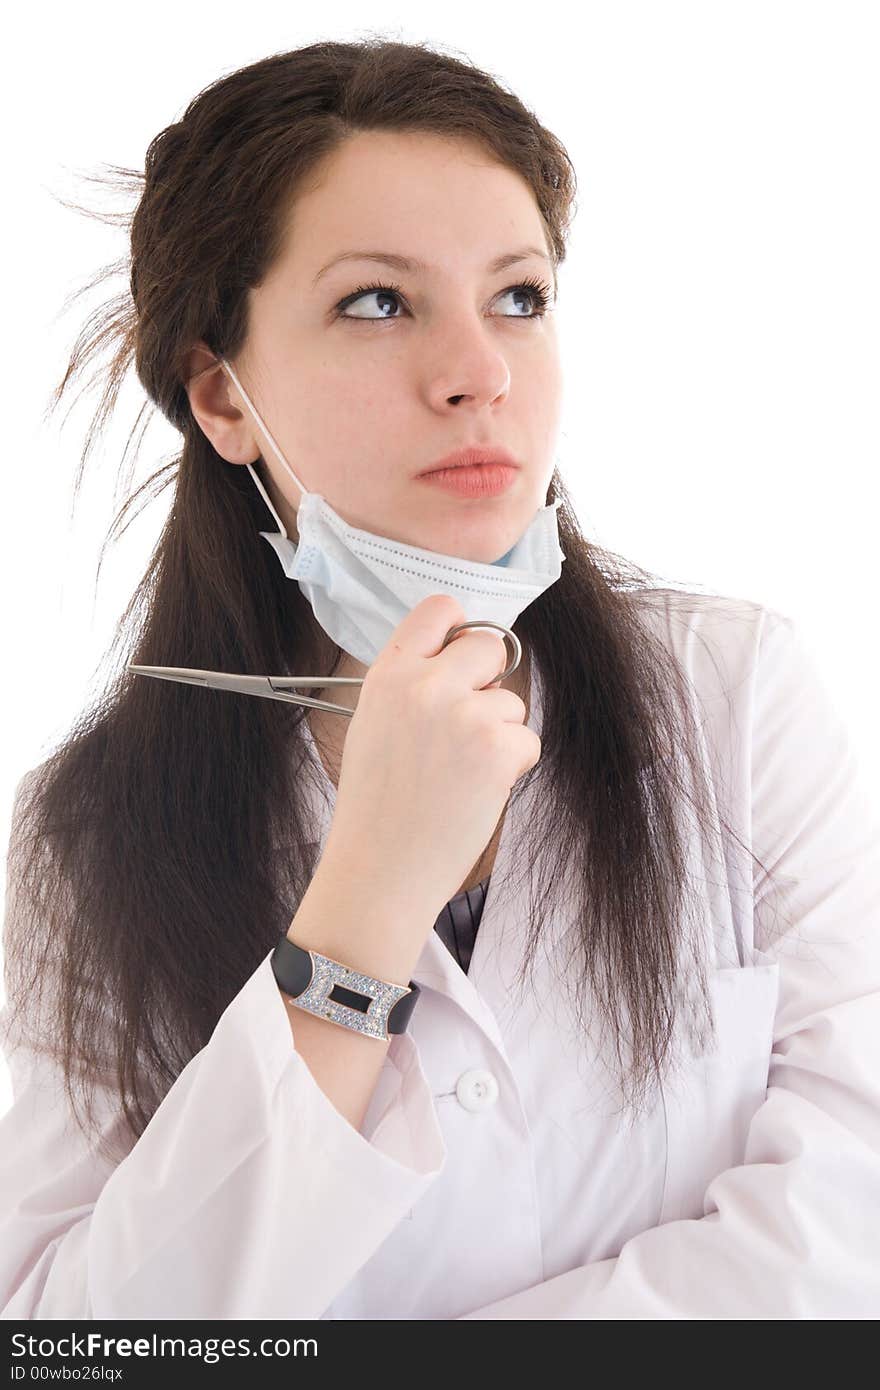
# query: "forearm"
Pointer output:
{"type": "Point", "coordinates": [375, 937]}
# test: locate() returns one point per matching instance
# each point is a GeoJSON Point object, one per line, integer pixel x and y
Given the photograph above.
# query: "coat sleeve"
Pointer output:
{"type": "Point", "coordinates": [248, 1195]}
{"type": "Point", "coordinates": [794, 1232]}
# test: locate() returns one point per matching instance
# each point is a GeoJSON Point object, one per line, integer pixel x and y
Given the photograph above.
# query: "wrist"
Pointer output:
{"type": "Point", "coordinates": [376, 936]}
{"type": "Point", "coordinates": [333, 990]}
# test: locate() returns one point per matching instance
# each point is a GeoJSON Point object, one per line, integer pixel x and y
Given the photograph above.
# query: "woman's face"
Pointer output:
{"type": "Point", "coordinates": [362, 397]}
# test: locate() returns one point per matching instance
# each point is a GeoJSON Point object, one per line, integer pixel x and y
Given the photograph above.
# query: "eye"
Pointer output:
{"type": "Point", "coordinates": [537, 292]}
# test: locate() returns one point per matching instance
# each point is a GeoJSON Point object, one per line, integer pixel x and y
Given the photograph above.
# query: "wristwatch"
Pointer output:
{"type": "Point", "coordinates": [334, 991]}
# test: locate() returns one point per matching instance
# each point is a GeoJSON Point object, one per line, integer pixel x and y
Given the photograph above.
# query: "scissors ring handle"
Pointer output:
{"type": "Point", "coordinates": [515, 643]}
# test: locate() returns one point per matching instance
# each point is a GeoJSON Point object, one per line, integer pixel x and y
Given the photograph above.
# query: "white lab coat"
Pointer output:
{"type": "Point", "coordinates": [492, 1177]}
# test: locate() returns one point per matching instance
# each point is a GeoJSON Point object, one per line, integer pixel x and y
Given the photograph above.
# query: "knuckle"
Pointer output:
{"type": "Point", "coordinates": [494, 739]}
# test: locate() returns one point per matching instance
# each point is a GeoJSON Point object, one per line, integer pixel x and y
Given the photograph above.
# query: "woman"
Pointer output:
{"type": "Point", "coordinates": [653, 824]}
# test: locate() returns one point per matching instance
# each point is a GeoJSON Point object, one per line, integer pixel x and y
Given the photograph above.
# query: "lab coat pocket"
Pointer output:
{"type": "Point", "coordinates": [709, 1102]}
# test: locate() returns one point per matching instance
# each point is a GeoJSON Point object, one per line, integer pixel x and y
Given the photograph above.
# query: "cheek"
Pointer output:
{"type": "Point", "coordinates": [549, 408]}
{"type": "Point", "coordinates": [364, 393]}
{"type": "Point", "coordinates": [537, 401]}
{"type": "Point", "coordinates": [545, 371]}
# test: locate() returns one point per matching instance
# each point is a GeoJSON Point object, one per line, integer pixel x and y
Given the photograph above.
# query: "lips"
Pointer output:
{"type": "Point", "coordinates": [487, 480]}
{"type": "Point", "coordinates": [472, 456]}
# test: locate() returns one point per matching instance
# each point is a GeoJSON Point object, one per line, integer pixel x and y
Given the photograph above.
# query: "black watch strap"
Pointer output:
{"type": "Point", "coordinates": [331, 990]}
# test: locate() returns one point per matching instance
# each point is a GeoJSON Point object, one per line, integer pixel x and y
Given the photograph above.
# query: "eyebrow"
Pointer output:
{"type": "Point", "coordinates": [409, 263]}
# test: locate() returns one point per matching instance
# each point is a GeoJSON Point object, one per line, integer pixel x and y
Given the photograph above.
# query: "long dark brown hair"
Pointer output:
{"type": "Point", "coordinates": [162, 847]}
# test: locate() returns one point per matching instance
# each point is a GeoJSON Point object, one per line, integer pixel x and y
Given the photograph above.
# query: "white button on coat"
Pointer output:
{"type": "Point", "coordinates": [749, 1190]}
{"type": "Point", "coordinates": [477, 1089]}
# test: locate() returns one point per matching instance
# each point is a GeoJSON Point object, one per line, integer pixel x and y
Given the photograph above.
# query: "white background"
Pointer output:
{"type": "Point", "coordinates": [718, 310]}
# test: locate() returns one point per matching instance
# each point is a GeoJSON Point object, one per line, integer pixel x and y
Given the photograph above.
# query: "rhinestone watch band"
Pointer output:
{"type": "Point", "coordinates": [334, 991]}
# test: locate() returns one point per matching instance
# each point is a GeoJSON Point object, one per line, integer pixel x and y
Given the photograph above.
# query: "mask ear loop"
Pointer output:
{"type": "Point", "coordinates": [281, 459]}
{"type": "Point", "coordinates": [267, 499]}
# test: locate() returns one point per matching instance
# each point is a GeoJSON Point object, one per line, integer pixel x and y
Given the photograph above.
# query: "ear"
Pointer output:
{"type": "Point", "coordinates": [218, 408]}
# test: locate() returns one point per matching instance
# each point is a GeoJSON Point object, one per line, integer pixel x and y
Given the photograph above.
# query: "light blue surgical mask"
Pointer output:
{"type": "Point", "coordinates": [361, 586]}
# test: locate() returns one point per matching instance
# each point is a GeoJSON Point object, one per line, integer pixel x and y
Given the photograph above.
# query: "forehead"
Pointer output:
{"type": "Point", "coordinates": [445, 202]}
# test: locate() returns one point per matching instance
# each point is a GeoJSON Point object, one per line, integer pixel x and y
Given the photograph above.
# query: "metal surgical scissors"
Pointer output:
{"type": "Point", "coordinates": [280, 687]}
